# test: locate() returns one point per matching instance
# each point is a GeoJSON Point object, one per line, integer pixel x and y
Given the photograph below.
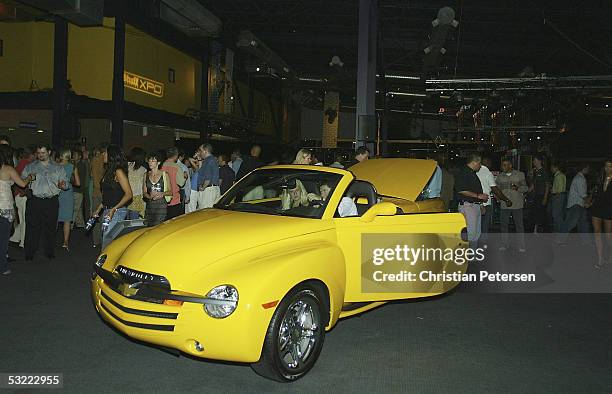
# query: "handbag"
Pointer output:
{"type": "Point", "coordinates": [167, 186]}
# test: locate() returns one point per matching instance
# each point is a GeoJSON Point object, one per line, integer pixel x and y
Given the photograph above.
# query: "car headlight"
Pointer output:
{"type": "Point", "coordinates": [100, 261]}
{"type": "Point", "coordinates": [229, 297]}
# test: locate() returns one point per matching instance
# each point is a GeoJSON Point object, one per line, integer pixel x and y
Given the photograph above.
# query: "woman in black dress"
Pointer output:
{"type": "Point", "coordinates": [602, 215]}
{"type": "Point", "coordinates": [116, 192]}
{"type": "Point", "coordinates": [156, 192]}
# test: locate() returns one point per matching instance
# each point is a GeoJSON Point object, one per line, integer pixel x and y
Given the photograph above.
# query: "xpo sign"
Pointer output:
{"type": "Point", "coordinates": [142, 84]}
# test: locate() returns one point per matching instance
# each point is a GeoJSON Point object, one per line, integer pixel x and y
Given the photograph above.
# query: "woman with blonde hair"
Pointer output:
{"type": "Point", "coordinates": [303, 157]}
{"type": "Point", "coordinates": [66, 196]}
{"type": "Point", "coordinates": [296, 197]}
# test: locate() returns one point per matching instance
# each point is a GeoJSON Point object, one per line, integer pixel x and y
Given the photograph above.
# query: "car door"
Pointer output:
{"type": "Point", "coordinates": [362, 242]}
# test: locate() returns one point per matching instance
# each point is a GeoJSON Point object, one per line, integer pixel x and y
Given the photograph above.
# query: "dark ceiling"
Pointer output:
{"type": "Point", "coordinates": [495, 38]}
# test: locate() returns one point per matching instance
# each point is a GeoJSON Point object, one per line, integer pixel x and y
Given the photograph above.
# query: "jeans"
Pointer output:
{"type": "Point", "coordinates": [517, 216]}
{"type": "Point", "coordinates": [5, 233]}
{"type": "Point", "coordinates": [473, 219]}
{"type": "Point", "coordinates": [557, 207]}
{"type": "Point", "coordinates": [120, 215]}
{"type": "Point", "coordinates": [97, 230]}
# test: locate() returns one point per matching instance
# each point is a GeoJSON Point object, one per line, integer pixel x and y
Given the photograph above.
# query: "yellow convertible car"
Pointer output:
{"type": "Point", "coordinates": [276, 263]}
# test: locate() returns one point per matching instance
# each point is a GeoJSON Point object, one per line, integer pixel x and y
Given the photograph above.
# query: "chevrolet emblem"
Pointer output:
{"type": "Point", "coordinates": [129, 290]}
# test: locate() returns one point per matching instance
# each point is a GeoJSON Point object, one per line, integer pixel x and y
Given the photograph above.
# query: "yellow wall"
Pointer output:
{"type": "Point", "coordinates": [90, 67]}
{"type": "Point", "coordinates": [90, 59]}
{"type": "Point", "coordinates": [151, 58]}
{"type": "Point", "coordinates": [28, 55]}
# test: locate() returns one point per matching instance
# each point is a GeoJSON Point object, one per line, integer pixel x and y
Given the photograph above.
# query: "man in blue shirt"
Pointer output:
{"type": "Point", "coordinates": [208, 178]}
{"type": "Point", "coordinates": [43, 205]}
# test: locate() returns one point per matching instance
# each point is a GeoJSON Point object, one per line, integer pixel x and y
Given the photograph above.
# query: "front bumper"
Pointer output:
{"type": "Point", "coordinates": [239, 337]}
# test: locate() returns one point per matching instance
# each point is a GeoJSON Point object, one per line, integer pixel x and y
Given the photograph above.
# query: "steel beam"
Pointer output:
{"type": "Point", "coordinates": [118, 83]}
{"type": "Point", "coordinates": [60, 70]}
{"type": "Point", "coordinates": [366, 73]}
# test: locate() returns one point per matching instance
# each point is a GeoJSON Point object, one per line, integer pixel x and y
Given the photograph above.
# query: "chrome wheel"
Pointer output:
{"type": "Point", "coordinates": [298, 333]}
{"type": "Point", "coordinates": [295, 335]}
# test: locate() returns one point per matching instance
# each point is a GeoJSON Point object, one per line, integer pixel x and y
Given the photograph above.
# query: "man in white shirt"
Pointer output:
{"type": "Point", "coordinates": [576, 215]}
{"type": "Point", "coordinates": [487, 180]}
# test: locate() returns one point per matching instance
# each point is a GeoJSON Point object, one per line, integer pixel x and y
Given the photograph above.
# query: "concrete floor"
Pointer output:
{"type": "Point", "coordinates": [456, 343]}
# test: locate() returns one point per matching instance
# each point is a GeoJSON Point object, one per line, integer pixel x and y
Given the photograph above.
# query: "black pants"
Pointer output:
{"type": "Point", "coordinates": [174, 210]}
{"type": "Point", "coordinates": [539, 210]}
{"type": "Point", "coordinates": [41, 220]}
{"type": "Point", "coordinates": [5, 234]}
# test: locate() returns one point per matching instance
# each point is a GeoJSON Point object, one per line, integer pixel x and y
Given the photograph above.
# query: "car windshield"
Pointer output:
{"type": "Point", "coordinates": [285, 192]}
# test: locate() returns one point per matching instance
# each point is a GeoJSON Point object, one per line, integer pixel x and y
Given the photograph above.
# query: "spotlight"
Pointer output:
{"type": "Point", "coordinates": [335, 61]}
{"type": "Point", "coordinates": [446, 16]}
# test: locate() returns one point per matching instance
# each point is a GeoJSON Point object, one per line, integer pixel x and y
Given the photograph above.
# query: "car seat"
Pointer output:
{"type": "Point", "coordinates": [362, 189]}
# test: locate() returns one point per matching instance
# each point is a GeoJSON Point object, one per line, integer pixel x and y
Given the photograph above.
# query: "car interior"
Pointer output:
{"type": "Point", "coordinates": [363, 193]}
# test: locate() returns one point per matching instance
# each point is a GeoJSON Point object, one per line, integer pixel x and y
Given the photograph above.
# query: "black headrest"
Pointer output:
{"type": "Point", "coordinates": [363, 189]}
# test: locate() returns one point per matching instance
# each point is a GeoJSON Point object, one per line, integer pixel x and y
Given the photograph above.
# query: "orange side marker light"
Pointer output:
{"type": "Point", "coordinates": [270, 304]}
{"type": "Point", "coordinates": [173, 302]}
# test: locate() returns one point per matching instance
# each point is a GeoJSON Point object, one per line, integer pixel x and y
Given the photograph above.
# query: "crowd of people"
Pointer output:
{"type": "Point", "coordinates": [551, 204]}
{"type": "Point", "coordinates": [41, 187]}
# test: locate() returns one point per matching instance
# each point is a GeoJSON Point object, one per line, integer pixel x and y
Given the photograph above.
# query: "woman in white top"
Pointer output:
{"type": "Point", "coordinates": [8, 177]}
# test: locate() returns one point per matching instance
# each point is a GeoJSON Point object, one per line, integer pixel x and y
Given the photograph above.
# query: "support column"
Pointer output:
{"type": "Point", "coordinates": [383, 135]}
{"type": "Point", "coordinates": [204, 91]}
{"type": "Point", "coordinates": [204, 83]}
{"type": "Point", "coordinates": [118, 83]}
{"type": "Point", "coordinates": [286, 109]}
{"type": "Point", "coordinates": [331, 107]}
{"type": "Point", "coordinates": [60, 77]}
{"type": "Point", "coordinates": [251, 102]}
{"type": "Point", "coordinates": [366, 74]}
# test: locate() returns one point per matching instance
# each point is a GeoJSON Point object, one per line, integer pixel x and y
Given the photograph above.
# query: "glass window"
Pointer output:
{"type": "Point", "coordinates": [286, 192]}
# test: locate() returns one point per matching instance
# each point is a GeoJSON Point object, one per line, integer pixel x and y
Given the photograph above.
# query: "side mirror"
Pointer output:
{"type": "Point", "coordinates": [380, 209]}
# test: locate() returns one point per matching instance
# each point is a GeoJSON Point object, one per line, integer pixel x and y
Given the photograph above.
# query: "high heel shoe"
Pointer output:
{"type": "Point", "coordinates": [66, 247]}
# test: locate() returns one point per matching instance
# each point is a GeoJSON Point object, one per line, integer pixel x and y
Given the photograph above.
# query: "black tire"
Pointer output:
{"type": "Point", "coordinates": [271, 365]}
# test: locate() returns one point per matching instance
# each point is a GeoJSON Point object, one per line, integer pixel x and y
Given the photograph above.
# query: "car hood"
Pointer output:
{"type": "Point", "coordinates": [189, 243]}
{"type": "Point", "coordinates": [402, 178]}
